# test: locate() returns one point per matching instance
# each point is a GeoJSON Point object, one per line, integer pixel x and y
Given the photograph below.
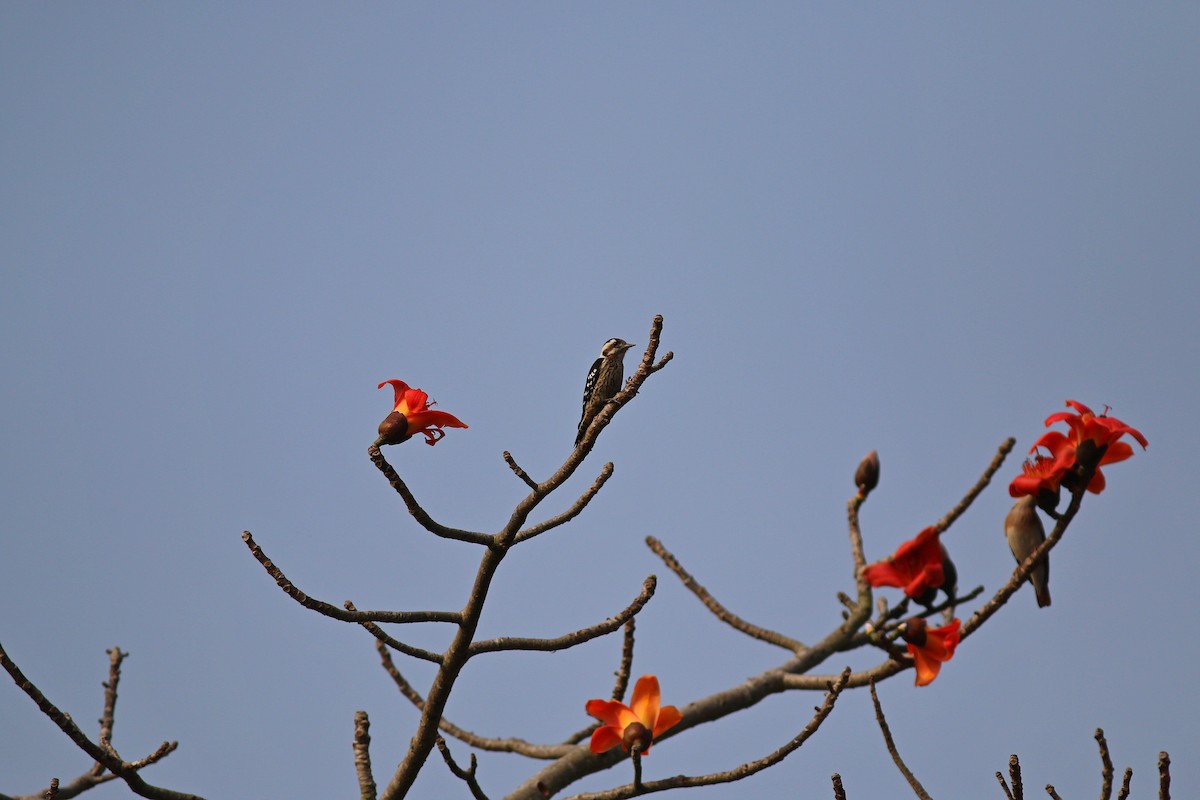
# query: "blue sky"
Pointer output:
{"type": "Point", "coordinates": [912, 229]}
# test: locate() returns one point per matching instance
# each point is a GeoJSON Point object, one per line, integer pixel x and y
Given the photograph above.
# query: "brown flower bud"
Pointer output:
{"type": "Point", "coordinates": [866, 477]}
{"type": "Point", "coordinates": [915, 631]}
{"type": "Point", "coordinates": [639, 734]}
{"type": "Point", "coordinates": [393, 429]}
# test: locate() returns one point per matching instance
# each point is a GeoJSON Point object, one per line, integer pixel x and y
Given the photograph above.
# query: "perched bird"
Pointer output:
{"type": "Point", "coordinates": [603, 382]}
{"type": "Point", "coordinates": [1024, 531]}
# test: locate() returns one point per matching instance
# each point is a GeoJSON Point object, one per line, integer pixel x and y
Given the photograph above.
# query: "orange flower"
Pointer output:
{"type": "Point", "coordinates": [929, 647]}
{"type": "Point", "coordinates": [919, 566]}
{"type": "Point", "coordinates": [412, 415]}
{"type": "Point", "coordinates": [625, 725]}
{"type": "Point", "coordinates": [1093, 442]}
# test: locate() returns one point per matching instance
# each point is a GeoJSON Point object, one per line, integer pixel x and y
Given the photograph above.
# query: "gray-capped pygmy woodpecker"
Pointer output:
{"type": "Point", "coordinates": [603, 382]}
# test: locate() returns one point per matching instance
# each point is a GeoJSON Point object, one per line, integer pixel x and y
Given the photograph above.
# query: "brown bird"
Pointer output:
{"type": "Point", "coordinates": [1024, 531]}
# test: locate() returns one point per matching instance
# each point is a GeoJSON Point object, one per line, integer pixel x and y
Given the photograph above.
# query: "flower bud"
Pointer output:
{"type": "Point", "coordinates": [866, 477]}
{"type": "Point", "coordinates": [393, 429]}
{"type": "Point", "coordinates": [915, 631]}
{"type": "Point", "coordinates": [639, 734]}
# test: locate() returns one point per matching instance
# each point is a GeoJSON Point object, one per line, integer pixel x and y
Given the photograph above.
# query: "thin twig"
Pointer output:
{"type": "Point", "coordinates": [414, 508]}
{"type": "Point", "coordinates": [362, 756]}
{"type": "Point", "coordinates": [520, 473]}
{"type": "Point", "coordinates": [115, 657]}
{"type": "Point", "coordinates": [1164, 776]}
{"type": "Point", "coordinates": [125, 771]}
{"type": "Point", "coordinates": [467, 775]}
{"type": "Point", "coordinates": [575, 510]}
{"type": "Point", "coordinates": [1050, 791]}
{"type": "Point", "coordinates": [1004, 785]}
{"type": "Point", "coordinates": [509, 745]}
{"type": "Point", "coordinates": [839, 793]}
{"type": "Point", "coordinates": [394, 643]}
{"type": "Point", "coordinates": [917, 788]}
{"type": "Point", "coordinates": [626, 668]}
{"type": "Point", "coordinates": [1106, 766]}
{"type": "Point", "coordinates": [1123, 793]}
{"type": "Point", "coordinates": [1014, 773]}
{"type": "Point", "coordinates": [737, 773]}
{"type": "Point", "coordinates": [1005, 448]}
{"type": "Point", "coordinates": [321, 607]}
{"type": "Point", "coordinates": [574, 637]}
{"type": "Point", "coordinates": [718, 610]}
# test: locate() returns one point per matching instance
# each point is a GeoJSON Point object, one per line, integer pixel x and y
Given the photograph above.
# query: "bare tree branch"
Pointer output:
{"type": "Point", "coordinates": [1050, 791]}
{"type": "Point", "coordinates": [576, 508]}
{"type": "Point", "coordinates": [1004, 785]}
{"type": "Point", "coordinates": [333, 611]}
{"type": "Point", "coordinates": [1164, 776]}
{"type": "Point", "coordinates": [126, 771]}
{"type": "Point", "coordinates": [917, 788]}
{"type": "Point", "coordinates": [507, 745]}
{"type": "Point", "coordinates": [1014, 773]}
{"type": "Point", "coordinates": [467, 775]}
{"type": "Point", "coordinates": [626, 667]}
{"type": "Point", "coordinates": [520, 473]}
{"type": "Point", "coordinates": [414, 508]}
{"type": "Point", "coordinates": [737, 773]}
{"type": "Point", "coordinates": [362, 756]}
{"type": "Point", "coordinates": [718, 610]}
{"type": "Point", "coordinates": [401, 647]}
{"type": "Point", "coordinates": [1005, 448]}
{"type": "Point", "coordinates": [1106, 766]}
{"type": "Point", "coordinates": [569, 639]}
{"type": "Point", "coordinates": [1123, 793]}
{"type": "Point", "coordinates": [839, 793]}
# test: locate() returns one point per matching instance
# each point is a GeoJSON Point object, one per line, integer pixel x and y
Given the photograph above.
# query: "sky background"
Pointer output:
{"type": "Point", "coordinates": [916, 229]}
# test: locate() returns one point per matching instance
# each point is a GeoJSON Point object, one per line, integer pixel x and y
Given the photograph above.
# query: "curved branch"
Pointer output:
{"type": "Point", "coordinates": [638, 788]}
{"type": "Point", "coordinates": [465, 775]}
{"type": "Point", "coordinates": [1001, 453]}
{"type": "Point", "coordinates": [725, 615]}
{"type": "Point", "coordinates": [509, 745]}
{"type": "Point", "coordinates": [570, 639]}
{"type": "Point", "coordinates": [917, 788]}
{"type": "Point", "coordinates": [345, 615]}
{"type": "Point", "coordinates": [126, 771]}
{"type": "Point", "coordinates": [419, 514]}
{"type": "Point", "coordinates": [572, 512]}
{"type": "Point", "coordinates": [397, 645]}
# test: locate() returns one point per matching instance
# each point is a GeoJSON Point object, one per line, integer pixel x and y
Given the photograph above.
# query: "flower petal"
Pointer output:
{"type": "Point", "coordinates": [927, 668]}
{"type": "Point", "coordinates": [605, 739]}
{"type": "Point", "coordinates": [646, 697]}
{"type": "Point", "coordinates": [611, 712]}
{"type": "Point", "coordinates": [668, 717]}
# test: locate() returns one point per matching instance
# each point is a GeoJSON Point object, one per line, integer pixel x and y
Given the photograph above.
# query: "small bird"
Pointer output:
{"type": "Point", "coordinates": [603, 382]}
{"type": "Point", "coordinates": [1024, 531]}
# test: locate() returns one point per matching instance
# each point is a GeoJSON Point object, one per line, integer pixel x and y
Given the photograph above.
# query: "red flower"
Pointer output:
{"type": "Point", "coordinates": [918, 567]}
{"type": "Point", "coordinates": [929, 647]}
{"type": "Point", "coordinates": [1093, 442]}
{"type": "Point", "coordinates": [1043, 474]}
{"type": "Point", "coordinates": [412, 415]}
{"type": "Point", "coordinates": [625, 725]}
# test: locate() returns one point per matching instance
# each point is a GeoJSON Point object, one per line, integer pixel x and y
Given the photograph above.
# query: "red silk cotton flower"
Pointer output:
{"type": "Point", "coordinates": [929, 647]}
{"type": "Point", "coordinates": [917, 567]}
{"type": "Point", "coordinates": [1093, 441]}
{"type": "Point", "coordinates": [637, 723]}
{"type": "Point", "coordinates": [412, 415]}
